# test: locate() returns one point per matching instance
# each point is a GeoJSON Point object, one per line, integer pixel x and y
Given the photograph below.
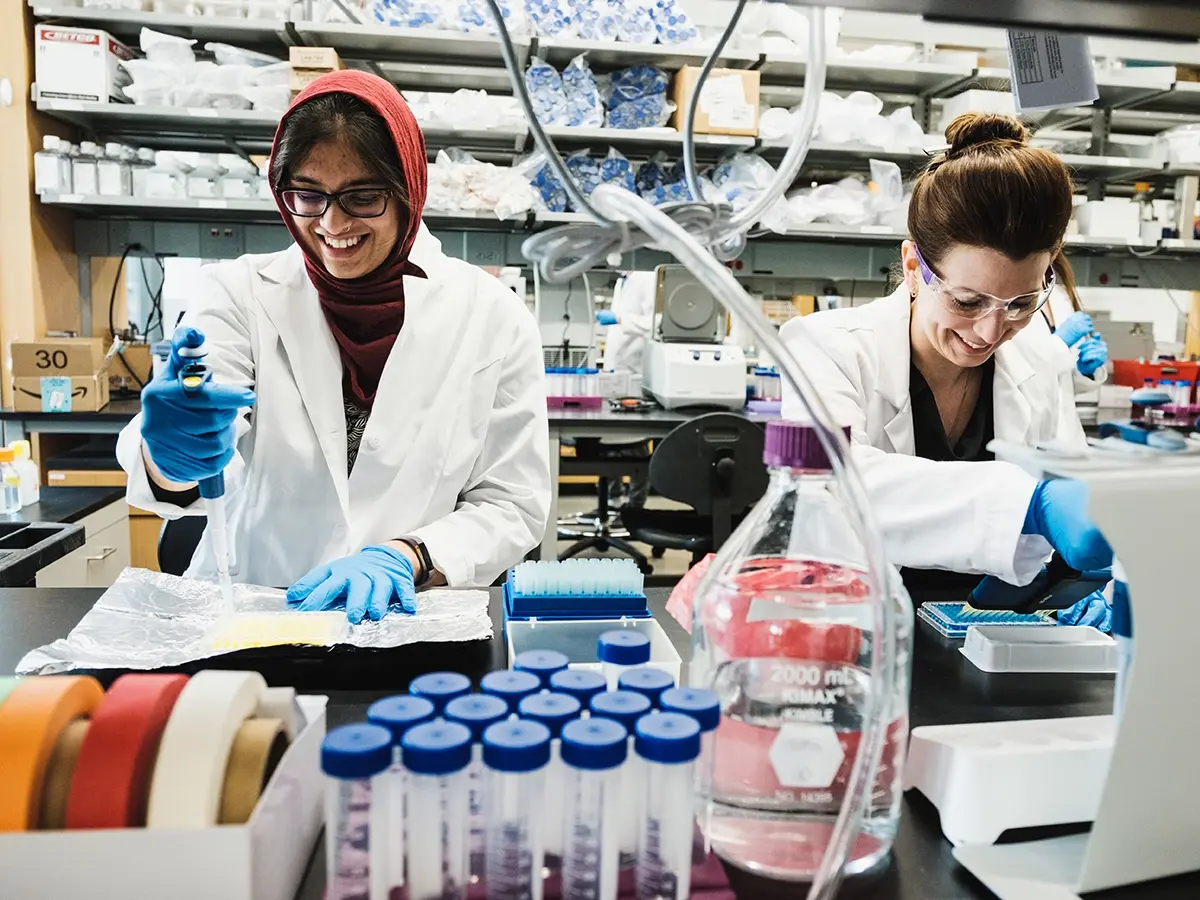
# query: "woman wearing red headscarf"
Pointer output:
{"type": "Point", "coordinates": [398, 434]}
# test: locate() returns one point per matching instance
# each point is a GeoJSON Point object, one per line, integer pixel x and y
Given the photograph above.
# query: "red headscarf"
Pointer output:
{"type": "Point", "coordinates": [365, 314]}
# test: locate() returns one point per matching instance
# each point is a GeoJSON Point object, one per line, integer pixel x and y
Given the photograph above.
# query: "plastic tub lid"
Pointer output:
{"type": "Point", "coordinates": [516, 746]}
{"type": "Point", "coordinates": [581, 684]}
{"type": "Point", "coordinates": [542, 663]}
{"type": "Point", "coordinates": [594, 744]}
{"type": "Point", "coordinates": [436, 748]}
{"type": "Point", "coordinates": [510, 686]}
{"type": "Point", "coordinates": [356, 751]}
{"type": "Point", "coordinates": [477, 712]}
{"type": "Point", "coordinates": [552, 710]}
{"type": "Point", "coordinates": [440, 687]}
{"type": "Point", "coordinates": [623, 647]}
{"type": "Point", "coordinates": [667, 738]}
{"type": "Point", "coordinates": [647, 681]}
{"type": "Point", "coordinates": [398, 714]}
{"type": "Point", "coordinates": [625, 707]}
{"type": "Point", "coordinates": [703, 706]}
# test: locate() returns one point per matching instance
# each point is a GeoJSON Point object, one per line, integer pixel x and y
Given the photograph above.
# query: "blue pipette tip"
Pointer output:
{"type": "Point", "coordinates": [623, 647]}
{"type": "Point", "coordinates": [581, 684]}
{"type": "Point", "coordinates": [542, 663]}
{"type": "Point", "coordinates": [477, 712]}
{"type": "Point", "coordinates": [647, 681]}
{"type": "Point", "coordinates": [703, 706]}
{"type": "Point", "coordinates": [516, 746]}
{"type": "Point", "coordinates": [510, 685]}
{"type": "Point", "coordinates": [356, 751]}
{"type": "Point", "coordinates": [594, 743]}
{"type": "Point", "coordinates": [400, 713]}
{"type": "Point", "coordinates": [552, 710]}
{"type": "Point", "coordinates": [667, 738]}
{"type": "Point", "coordinates": [436, 748]}
{"type": "Point", "coordinates": [625, 707]}
{"type": "Point", "coordinates": [440, 687]}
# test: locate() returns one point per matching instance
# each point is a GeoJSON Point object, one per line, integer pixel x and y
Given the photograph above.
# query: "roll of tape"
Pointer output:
{"type": "Point", "coordinates": [257, 750]}
{"type": "Point", "coordinates": [112, 776]}
{"type": "Point", "coordinates": [56, 786]}
{"type": "Point", "coordinates": [7, 683]}
{"type": "Point", "coordinates": [32, 718]}
{"type": "Point", "coordinates": [185, 790]}
{"type": "Point", "coordinates": [280, 703]}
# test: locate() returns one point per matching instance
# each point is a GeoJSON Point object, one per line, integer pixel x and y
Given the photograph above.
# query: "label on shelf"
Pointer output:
{"type": "Point", "coordinates": [204, 113]}
{"type": "Point", "coordinates": [69, 198]}
{"type": "Point", "coordinates": [876, 229]}
{"type": "Point", "coordinates": [212, 204]}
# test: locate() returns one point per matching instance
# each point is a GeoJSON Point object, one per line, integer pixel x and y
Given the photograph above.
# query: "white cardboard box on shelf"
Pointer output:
{"type": "Point", "coordinates": [79, 64]}
{"type": "Point", "coordinates": [977, 101]}
{"type": "Point", "coordinates": [1116, 217]}
{"type": "Point", "coordinates": [265, 859]}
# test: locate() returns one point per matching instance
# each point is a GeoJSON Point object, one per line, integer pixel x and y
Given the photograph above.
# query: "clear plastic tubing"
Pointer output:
{"type": "Point", "coordinates": [355, 760]}
{"type": "Point", "coordinates": [437, 756]}
{"type": "Point", "coordinates": [554, 711]}
{"type": "Point", "coordinates": [515, 756]}
{"type": "Point", "coordinates": [619, 651]}
{"type": "Point", "coordinates": [542, 663]}
{"type": "Point", "coordinates": [440, 688]}
{"type": "Point", "coordinates": [650, 683]}
{"type": "Point", "coordinates": [593, 753]}
{"type": "Point", "coordinates": [476, 712]}
{"type": "Point", "coordinates": [668, 745]}
{"type": "Point", "coordinates": [510, 686]}
{"type": "Point", "coordinates": [625, 707]}
{"type": "Point", "coordinates": [397, 715]}
{"type": "Point", "coordinates": [705, 707]}
{"type": "Point", "coordinates": [581, 684]}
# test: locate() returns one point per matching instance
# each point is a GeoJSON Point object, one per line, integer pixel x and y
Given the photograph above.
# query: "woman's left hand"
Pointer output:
{"type": "Point", "coordinates": [367, 582]}
{"type": "Point", "coordinates": [1094, 610]}
{"type": "Point", "coordinates": [1093, 353]}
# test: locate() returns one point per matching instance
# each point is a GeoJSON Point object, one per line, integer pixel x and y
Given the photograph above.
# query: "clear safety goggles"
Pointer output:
{"type": "Point", "coordinates": [969, 304]}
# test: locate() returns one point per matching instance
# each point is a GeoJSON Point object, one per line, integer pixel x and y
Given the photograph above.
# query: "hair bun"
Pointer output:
{"type": "Point", "coordinates": [971, 129]}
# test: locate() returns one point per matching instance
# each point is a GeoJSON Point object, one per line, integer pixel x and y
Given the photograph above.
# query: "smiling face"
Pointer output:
{"type": "Point", "coordinates": [349, 247]}
{"type": "Point", "coordinates": [969, 342]}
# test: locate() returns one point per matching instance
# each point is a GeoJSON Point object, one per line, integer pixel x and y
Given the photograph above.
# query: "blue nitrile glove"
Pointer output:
{"type": "Point", "coordinates": [1077, 325]}
{"type": "Point", "coordinates": [606, 317]}
{"type": "Point", "coordinates": [1093, 353]}
{"type": "Point", "coordinates": [367, 582]}
{"type": "Point", "coordinates": [190, 435]}
{"type": "Point", "coordinates": [1094, 610]}
{"type": "Point", "coordinates": [1058, 511]}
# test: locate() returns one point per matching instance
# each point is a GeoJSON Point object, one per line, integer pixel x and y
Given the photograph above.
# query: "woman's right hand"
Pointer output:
{"type": "Point", "coordinates": [190, 435]}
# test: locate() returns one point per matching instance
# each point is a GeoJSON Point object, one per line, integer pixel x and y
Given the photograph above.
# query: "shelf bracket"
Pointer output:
{"type": "Point", "coordinates": [238, 149]}
{"type": "Point", "coordinates": [350, 14]}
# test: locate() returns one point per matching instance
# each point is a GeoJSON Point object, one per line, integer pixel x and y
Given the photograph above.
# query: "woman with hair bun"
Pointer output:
{"type": "Point", "coordinates": [928, 376]}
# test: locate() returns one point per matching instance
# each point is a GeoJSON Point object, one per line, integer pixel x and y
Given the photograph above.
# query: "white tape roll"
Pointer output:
{"type": "Point", "coordinates": [190, 771]}
{"type": "Point", "coordinates": [280, 703]}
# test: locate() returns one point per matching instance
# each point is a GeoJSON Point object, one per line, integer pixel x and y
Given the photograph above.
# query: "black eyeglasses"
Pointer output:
{"type": "Point", "coordinates": [361, 203]}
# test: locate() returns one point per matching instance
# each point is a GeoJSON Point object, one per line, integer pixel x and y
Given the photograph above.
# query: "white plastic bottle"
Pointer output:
{"type": "Point", "coordinates": [140, 171]}
{"type": "Point", "coordinates": [27, 471]}
{"type": "Point", "coordinates": [85, 176]}
{"type": "Point", "coordinates": [52, 166]}
{"type": "Point", "coordinates": [783, 635]}
{"type": "Point", "coordinates": [11, 482]}
{"type": "Point", "coordinates": [114, 176]}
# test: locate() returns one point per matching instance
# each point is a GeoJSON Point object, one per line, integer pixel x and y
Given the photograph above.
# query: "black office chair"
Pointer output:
{"type": "Point", "coordinates": [712, 463]}
{"type": "Point", "coordinates": [602, 529]}
{"type": "Point", "coordinates": [177, 542]}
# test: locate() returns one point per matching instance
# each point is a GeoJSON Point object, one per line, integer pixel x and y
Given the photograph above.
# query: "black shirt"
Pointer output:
{"type": "Point", "coordinates": [927, 585]}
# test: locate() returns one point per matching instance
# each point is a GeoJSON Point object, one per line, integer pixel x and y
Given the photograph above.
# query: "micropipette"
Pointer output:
{"type": "Point", "coordinates": [192, 377]}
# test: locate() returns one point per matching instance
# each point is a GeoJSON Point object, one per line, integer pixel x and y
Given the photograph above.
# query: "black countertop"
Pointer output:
{"type": "Point", "coordinates": [946, 689]}
{"type": "Point", "coordinates": [67, 504]}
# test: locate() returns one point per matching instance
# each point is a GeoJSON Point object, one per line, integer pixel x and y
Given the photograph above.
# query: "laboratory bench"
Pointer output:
{"type": "Point", "coordinates": [946, 690]}
{"type": "Point", "coordinates": [67, 504]}
{"type": "Point", "coordinates": [109, 420]}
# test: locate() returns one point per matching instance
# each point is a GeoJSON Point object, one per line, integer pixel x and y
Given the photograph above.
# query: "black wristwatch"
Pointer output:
{"type": "Point", "coordinates": [419, 548]}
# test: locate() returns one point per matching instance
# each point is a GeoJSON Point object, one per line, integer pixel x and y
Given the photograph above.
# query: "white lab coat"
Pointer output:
{"type": "Point", "coordinates": [957, 516]}
{"type": "Point", "coordinates": [634, 301]}
{"type": "Point", "coordinates": [454, 452]}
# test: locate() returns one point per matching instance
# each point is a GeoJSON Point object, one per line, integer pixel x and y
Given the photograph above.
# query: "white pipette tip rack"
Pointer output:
{"type": "Point", "coordinates": [578, 578]}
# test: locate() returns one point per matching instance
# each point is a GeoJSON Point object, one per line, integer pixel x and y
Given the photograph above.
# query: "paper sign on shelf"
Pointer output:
{"type": "Point", "coordinates": [1050, 70]}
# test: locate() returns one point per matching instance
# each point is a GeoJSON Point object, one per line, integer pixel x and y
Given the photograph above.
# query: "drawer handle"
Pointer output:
{"type": "Point", "coordinates": [105, 553]}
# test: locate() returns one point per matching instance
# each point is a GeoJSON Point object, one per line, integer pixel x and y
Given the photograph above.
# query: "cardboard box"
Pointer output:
{"type": "Point", "coordinates": [265, 859]}
{"type": "Point", "coordinates": [87, 478]}
{"type": "Point", "coordinates": [729, 104]}
{"type": "Point", "coordinates": [58, 356]}
{"type": "Point", "coordinates": [80, 64]}
{"type": "Point", "coordinates": [324, 58]}
{"type": "Point", "coordinates": [60, 393]}
{"type": "Point", "coordinates": [135, 359]}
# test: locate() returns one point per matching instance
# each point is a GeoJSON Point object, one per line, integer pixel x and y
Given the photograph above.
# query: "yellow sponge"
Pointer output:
{"type": "Point", "coordinates": [243, 631]}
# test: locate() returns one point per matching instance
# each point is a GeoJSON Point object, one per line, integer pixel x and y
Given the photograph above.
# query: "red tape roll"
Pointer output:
{"type": "Point", "coordinates": [112, 776]}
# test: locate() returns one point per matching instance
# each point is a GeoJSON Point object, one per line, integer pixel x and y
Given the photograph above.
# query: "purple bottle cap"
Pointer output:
{"type": "Point", "coordinates": [794, 445]}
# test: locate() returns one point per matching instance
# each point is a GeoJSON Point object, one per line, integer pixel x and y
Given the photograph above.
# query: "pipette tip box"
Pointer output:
{"type": "Point", "coordinates": [561, 599]}
{"type": "Point", "coordinates": [951, 620]}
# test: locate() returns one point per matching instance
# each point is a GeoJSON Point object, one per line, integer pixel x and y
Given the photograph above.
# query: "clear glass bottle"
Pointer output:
{"type": "Point", "coordinates": [52, 166]}
{"type": "Point", "coordinates": [85, 176]}
{"type": "Point", "coordinates": [10, 479]}
{"type": "Point", "coordinates": [783, 635]}
{"type": "Point", "coordinates": [114, 176]}
{"type": "Point", "coordinates": [140, 170]}
{"type": "Point", "coordinates": [27, 469]}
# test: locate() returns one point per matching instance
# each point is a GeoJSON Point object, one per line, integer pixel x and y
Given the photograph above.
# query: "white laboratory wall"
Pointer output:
{"type": "Point", "coordinates": [181, 278]}
{"type": "Point", "coordinates": [1167, 310]}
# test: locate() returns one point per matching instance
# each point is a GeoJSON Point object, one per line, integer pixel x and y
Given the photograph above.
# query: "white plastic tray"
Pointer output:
{"type": "Point", "coordinates": [1035, 648]}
